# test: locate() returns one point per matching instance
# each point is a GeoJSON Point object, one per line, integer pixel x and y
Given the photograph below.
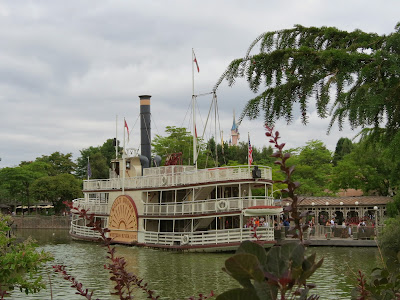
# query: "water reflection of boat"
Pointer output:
{"type": "Point", "coordinates": [177, 206]}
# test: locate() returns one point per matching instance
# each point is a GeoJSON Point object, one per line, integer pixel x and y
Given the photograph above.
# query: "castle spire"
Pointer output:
{"type": "Point", "coordinates": [234, 131]}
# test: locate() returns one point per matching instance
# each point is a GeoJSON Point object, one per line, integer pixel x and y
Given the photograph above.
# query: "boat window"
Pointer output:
{"type": "Point", "coordinates": [166, 225]}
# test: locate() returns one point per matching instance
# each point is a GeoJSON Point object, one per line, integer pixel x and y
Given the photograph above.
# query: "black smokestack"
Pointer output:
{"type": "Point", "coordinates": [145, 126]}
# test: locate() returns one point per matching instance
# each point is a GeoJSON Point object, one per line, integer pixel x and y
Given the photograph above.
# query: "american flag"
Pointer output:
{"type": "Point", "coordinates": [250, 153]}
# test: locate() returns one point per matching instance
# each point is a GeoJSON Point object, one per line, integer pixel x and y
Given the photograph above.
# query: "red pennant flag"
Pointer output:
{"type": "Point", "coordinates": [127, 129]}
{"type": "Point", "coordinates": [197, 65]}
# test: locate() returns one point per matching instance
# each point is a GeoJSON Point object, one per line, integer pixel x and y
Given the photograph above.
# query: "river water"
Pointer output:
{"type": "Point", "coordinates": [175, 275]}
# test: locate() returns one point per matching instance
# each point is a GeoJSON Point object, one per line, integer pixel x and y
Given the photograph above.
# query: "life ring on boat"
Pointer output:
{"type": "Point", "coordinates": [184, 240]}
{"type": "Point", "coordinates": [222, 205]}
{"type": "Point", "coordinates": [164, 180]}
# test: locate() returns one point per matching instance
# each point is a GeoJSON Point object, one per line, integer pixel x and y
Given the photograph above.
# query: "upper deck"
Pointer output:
{"type": "Point", "coordinates": [173, 176]}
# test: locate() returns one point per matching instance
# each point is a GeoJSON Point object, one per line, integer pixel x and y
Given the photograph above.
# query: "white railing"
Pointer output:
{"type": "Point", "coordinates": [176, 179]}
{"type": "Point", "coordinates": [205, 206]}
{"type": "Point", "coordinates": [210, 237]}
{"type": "Point", "coordinates": [94, 207]}
{"type": "Point", "coordinates": [83, 231]}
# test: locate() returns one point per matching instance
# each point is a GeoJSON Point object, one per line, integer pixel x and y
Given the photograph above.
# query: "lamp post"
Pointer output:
{"type": "Point", "coordinates": [376, 215]}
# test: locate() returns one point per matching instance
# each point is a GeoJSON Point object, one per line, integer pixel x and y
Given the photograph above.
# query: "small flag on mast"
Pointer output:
{"type": "Point", "coordinates": [250, 153]}
{"type": "Point", "coordinates": [127, 129]}
{"type": "Point", "coordinates": [195, 60]}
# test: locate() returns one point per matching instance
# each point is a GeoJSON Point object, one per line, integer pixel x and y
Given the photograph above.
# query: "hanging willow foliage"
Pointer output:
{"type": "Point", "coordinates": [350, 75]}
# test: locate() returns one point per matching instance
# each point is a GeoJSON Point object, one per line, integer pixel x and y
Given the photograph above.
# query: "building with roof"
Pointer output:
{"type": "Point", "coordinates": [352, 210]}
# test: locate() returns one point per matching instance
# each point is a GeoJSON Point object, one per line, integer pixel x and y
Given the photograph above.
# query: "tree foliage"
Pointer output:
{"type": "Point", "coordinates": [371, 166]}
{"type": "Point", "coordinates": [178, 139]}
{"type": "Point", "coordinates": [343, 147]}
{"type": "Point", "coordinates": [313, 168]}
{"type": "Point", "coordinates": [57, 189]}
{"type": "Point", "coordinates": [19, 262]}
{"type": "Point", "coordinates": [304, 63]}
{"type": "Point", "coordinates": [60, 163]}
{"type": "Point", "coordinates": [15, 182]}
{"type": "Point", "coordinates": [100, 160]}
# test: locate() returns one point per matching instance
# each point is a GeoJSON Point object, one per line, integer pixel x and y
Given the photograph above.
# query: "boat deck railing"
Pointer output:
{"type": "Point", "coordinates": [171, 179]}
{"type": "Point", "coordinates": [83, 231]}
{"type": "Point", "coordinates": [205, 206]}
{"type": "Point", "coordinates": [209, 237]}
{"type": "Point", "coordinates": [93, 207]}
{"type": "Point", "coordinates": [219, 205]}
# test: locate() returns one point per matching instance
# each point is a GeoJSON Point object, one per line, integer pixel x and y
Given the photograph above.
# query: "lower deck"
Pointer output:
{"type": "Point", "coordinates": [199, 241]}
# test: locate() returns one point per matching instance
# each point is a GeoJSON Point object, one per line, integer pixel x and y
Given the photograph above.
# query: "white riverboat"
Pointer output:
{"type": "Point", "coordinates": [178, 207]}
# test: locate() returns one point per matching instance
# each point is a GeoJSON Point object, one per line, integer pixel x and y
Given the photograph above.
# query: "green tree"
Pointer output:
{"type": "Point", "coordinates": [60, 163]}
{"type": "Point", "coordinates": [304, 63]}
{"type": "Point", "coordinates": [368, 167]}
{"type": "Point", "coordinates": [15, 182]}
{"type": "Point", "coordinates": [100, 160]}
{"type": "Point", "coordinates": [343, 147]}
{"type": "Point", "coordinates": [99, 166]}
{"type": "Point", "coordinates": [313, 168]}
{"type": "Point", "coordinates": [393, 208]}
{"type": "Point", "coordinates": [178, 139]}
{"type": "Point", "coordinates": [56, 189]}
{"type": "Point", "coordinates": [19, 262]}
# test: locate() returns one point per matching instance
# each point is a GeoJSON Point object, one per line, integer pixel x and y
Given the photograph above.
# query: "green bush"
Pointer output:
{"type": "Point", "coordinates": [19, 262]}
{"type": "Point", "coordinates": [389, 240]}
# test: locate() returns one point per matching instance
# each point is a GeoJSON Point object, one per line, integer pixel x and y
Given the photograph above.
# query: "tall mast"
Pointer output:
{"type": "Point", "coordinates": [116, 137]}
{"type": "Point", "coordinates": [194, 116]}
{"type": "Point", "coordinates": [123, 164]}
{"type": "Point", "coordinates": [215, 129]}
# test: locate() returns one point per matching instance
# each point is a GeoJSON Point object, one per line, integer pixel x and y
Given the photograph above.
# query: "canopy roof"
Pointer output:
{"type": "Point", "coordinates": [346, 201]}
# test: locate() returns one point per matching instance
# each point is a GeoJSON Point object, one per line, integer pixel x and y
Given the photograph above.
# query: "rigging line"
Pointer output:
{"type": "Point", "coordinates": [205, 94]}
{"type": "Point", "coordinates": [187, 111]}
{"type": "Point", "coordinates": [201, 120]}
{"type": "Point", "coordinates": [219, 128]}
{"type": "Point", "coordinates": [154, 122]}
{"type": "Point", "coordinates": [212, 134]}
{"type": "Point", "coordinates": [202, 137]}
{"type": "Point", "coordinates": [147, 130]}
{"type": "Point", "coordinates": [134, 124]}
{"type": "Point", "coordinates": [208, 116]}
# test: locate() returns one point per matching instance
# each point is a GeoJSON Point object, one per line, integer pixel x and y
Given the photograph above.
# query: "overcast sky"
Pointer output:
{"type": "Point", "coordinates": [68, 68]}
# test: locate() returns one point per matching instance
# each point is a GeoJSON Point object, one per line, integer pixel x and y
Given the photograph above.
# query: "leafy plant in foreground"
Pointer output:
{"type": "Point", "coordinates": [125, 282]}
{"type": "Point", "coordinates": [19, 262]}
{"type": "Point", "coordinates": [383, 282]}
{"type": "Point", "coordinates": [282, 273]}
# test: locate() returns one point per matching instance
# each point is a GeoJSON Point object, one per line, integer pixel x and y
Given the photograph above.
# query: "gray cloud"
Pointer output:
{"type": "Point", "coordinates": [67, 69]}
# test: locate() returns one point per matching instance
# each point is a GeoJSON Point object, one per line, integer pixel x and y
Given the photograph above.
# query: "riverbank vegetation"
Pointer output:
{"type": "Point", "coordinates": [19, 262]}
